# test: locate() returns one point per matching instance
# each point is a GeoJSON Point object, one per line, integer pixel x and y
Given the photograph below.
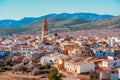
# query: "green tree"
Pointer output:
{"type": "Point", "coordinates": [8, 63]}
{"type": "Point", "coordinates": [48, 66]}
{"type": "Point", "coordinates": [54, 75]}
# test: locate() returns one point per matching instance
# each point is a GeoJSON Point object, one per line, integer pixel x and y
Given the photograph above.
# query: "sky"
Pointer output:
{"type": "Point", "coordinates": [17, 9]}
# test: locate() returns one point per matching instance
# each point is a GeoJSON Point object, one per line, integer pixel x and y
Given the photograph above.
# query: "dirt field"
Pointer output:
{"type": "Point", "coordinates": [11, 76]}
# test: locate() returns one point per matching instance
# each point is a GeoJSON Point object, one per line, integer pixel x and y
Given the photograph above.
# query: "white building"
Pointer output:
{"type": "Point", "coordinates": [7, 41]}
{"type": "Point", "coordinates": [113, 40]}
{"type": "Point", "coordinates": [104, 74]}
{"type": "Point", "coordinates": [111, 63]}
{"type": "Point", "coordinates": [26, 48]}
{"type": "Point", "coordinates": [118, 73]}
{"type": "Point", "coordinates": [50, 59]}
{"type": "Point", "coordinates": [50, 47]}
{"type": "Point", "coordinates": [78, 67]}
{"type": "Point", "coordinates": [15, 50]}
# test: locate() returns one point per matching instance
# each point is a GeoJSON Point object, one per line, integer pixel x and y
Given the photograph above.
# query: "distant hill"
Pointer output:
{"type": "Point", "coordinates": [58, 24]}
{"type": "Point", "coordinates": [110, 23]}
{"type": "Point", "coordinates": [15, 23]}
{"type": "Point", "coordinates": [52, 18]}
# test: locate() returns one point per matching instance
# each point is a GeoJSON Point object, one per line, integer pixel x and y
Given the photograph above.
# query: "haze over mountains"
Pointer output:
{"type": "Point", "coordinates": [59, 22]}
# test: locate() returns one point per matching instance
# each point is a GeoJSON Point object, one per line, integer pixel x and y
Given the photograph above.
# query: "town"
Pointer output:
{"type": "Point", "coordinates": [59, 57]}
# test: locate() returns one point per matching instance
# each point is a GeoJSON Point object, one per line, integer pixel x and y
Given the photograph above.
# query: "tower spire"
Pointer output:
{"type": "Point", "coordinates": [44, 28]}
{"type": "Point", "coordinates": [44, 24]}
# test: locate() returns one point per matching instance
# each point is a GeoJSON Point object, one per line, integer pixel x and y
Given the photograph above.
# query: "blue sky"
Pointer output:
{"type": "Point", "coordinates": [17, 9]}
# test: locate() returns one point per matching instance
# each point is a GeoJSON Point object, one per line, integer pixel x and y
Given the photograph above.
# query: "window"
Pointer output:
{"type": "Point", "coordinates": [75, 70]}
{"type": "Point", "coordinates": [82, 52]}
{"type": "Point", "coordinates": [51, 61]}
{"type": "Point", "coordinates": [92, 77]}
{"type": "Point", "coordinates": [96, 76]}
{"type": "Point", "coordinates": [115, 64]}
{"type": "Point", "coordinates": [112, 72]}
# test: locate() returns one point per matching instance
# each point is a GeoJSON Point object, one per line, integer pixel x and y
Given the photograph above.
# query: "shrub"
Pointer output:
{"type": "Point", "coordinates": [8, 63]}
{"type": "Point", "coordinates": [54, 75]}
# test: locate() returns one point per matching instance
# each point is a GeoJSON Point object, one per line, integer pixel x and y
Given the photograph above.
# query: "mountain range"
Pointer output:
{"type": "Point", "coordinates": [59, 22]}
{"type": "Point", "coordinates": [28, 20]}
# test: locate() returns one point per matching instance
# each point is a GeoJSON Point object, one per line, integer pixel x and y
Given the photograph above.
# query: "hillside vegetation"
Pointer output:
{"type": "Point", "coordinates": [56, 24]}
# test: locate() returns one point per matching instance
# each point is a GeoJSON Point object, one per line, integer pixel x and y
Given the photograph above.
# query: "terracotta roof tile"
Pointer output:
{"type": "Point", "coordinates": [104, 68]}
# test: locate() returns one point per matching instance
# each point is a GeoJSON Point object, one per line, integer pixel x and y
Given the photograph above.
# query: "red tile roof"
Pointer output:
{"type": "Point", "coordinates": [104, 68]}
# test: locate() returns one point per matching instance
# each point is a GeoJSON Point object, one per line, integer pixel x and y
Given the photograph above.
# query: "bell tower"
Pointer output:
{"type": "Point", "coordinates": [44, 29]}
